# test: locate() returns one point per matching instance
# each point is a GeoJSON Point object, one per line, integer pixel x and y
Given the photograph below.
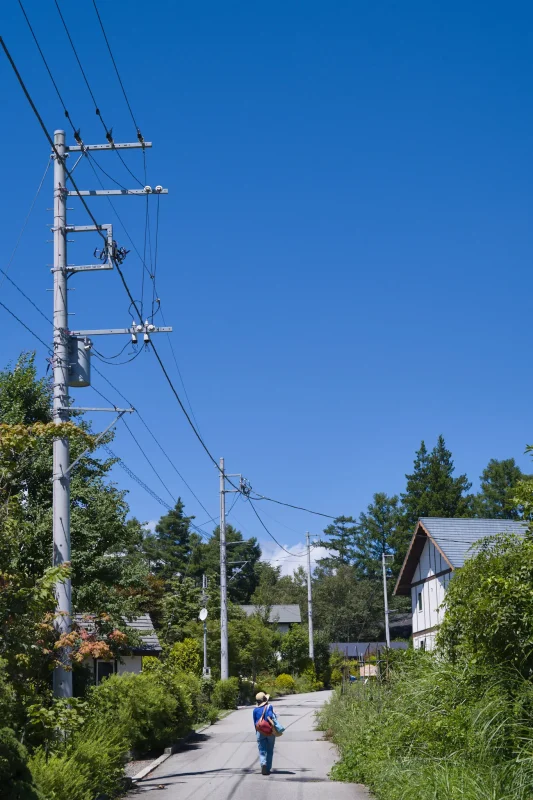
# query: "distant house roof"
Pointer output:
{"type": "Point", "coordinates": [455, 539]}
{"type": "Point", "coordinates": [283, 614]}
{"type": "Point", "coordinates": [362, 649]}
{"type": "Point", "coordinates": [150, 642]}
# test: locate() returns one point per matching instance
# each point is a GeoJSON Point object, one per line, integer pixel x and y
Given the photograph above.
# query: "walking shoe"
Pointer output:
{"type": "Point", "coordinates": [264, 770]}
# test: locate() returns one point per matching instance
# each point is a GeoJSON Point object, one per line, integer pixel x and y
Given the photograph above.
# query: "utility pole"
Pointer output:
{"type": "Point", "coordinates": [204, 608]}
{"type": "Point", "coordinates": [384, 558]}
{"type": "Point", "coordinates": [224, 659]}
{"type": "Point", "coordinates": [61, 454]}
{"type": "Point", "coordinates": [71, 362]}
{"type": "Point", "coordinates": [310, 599]}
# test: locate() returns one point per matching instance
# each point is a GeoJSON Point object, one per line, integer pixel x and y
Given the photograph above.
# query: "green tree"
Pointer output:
{"type": "Point", "coordinates": [432, 490]}
{"type": "Point", "coordinates": [242, 558]}
{"type": "Point", "coordinates": [495, 500]}
{"type": "Point", "coordinates": [109, 573]}
{"type": "Point", "coordinates": [346, 607]}
{"type": "Point", "coordinates": [489, 608]}
{"type": "Point", "coordinates": [169, 549]}
{"type": "Point", "coordinates": [295, 650]}
{"type": "Point", "coordinates": [379, 532]}
{"type": "Point", "coordinates": [180, 607]}
{"type": "Point", "coordinates": [341, 542]}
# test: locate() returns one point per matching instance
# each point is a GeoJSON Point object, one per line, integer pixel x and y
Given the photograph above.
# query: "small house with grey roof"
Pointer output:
{"type": "Point", "coordinates": [282, 616]}
{"type": "Point", "coordinates": [132, 662]}
{"type": "Point", "coordinates": [439, 547]}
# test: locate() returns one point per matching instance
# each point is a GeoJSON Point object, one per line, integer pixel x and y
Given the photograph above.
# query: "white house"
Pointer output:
{"type": "Point", "coordinates": [148, 646]}
{"type": "Point", "coordinates": [440, 546]}
{"type": "Point", "coordinates": [283, 616]}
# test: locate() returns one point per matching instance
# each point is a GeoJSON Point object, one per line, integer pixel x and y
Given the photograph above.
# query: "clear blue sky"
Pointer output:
{"type": "Point", "coordinates": [345, 251]}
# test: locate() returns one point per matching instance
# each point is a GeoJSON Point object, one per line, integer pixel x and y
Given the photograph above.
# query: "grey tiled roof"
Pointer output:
{"type": "Point", "coordinates": [143, 624]}
{"type": "Point", "coordinates": [283, 614]}
{"type": "Point", "coordinates": [360, 649]}
{"type": "Point", "coordinates": [455, 537]}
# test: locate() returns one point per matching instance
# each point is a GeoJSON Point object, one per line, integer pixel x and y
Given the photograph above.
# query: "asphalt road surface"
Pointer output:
{"type": "Point", "coordinates": [223, 761]}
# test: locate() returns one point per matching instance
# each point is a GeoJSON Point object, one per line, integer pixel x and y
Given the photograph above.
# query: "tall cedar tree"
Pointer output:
{"type": "Point", "coordinates": [341, 542]}
{"type": "Point", "coordinates": [169, 550]}
{"type": "Point", "coordinates": [378, 532]}
{"type": "Point", "coordinates": [498, 481]}
{"type": "Point", "coordinates": [432, 490]}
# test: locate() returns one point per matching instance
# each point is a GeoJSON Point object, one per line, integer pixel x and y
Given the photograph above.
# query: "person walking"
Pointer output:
{"type": "Point", "coordinates": [264, 712]}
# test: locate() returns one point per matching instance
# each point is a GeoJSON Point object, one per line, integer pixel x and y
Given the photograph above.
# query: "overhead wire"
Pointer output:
{"type": "Point", "coordinates": [26, 326]}
{"type": "Point", "coordinates": [270, 534]}
{"type": "Point", "coordinates": [139, 134]}
{"type": "Point", "coordinates": [28, 215]}
{"type": "Point", "coordinates": [123, 279]}
{"type": "Point", "coordinates": [45, 62]}
{"type": "Point", "coordinates": [108, 131]}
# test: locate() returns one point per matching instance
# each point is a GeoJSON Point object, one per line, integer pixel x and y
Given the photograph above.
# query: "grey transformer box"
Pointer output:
{"type": "Point", "coordinates": [79, 356]}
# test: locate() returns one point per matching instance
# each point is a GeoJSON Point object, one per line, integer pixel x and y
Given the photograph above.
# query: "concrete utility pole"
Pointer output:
{"type": "Point", "coordinates": [310, 599]}
{"type": "Point", "coordinates": [224, 660]}
{"type": "Point", "coordinates": [71, 363]}
{"type": "Point", "coordinates": [204, 602]}
{"type": "Point", "coordinates": [384, 558]}
{"type": "Point", "coordinates": [61, 454]}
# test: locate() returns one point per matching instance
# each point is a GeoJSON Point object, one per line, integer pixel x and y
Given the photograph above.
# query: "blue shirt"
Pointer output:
{"type": "Point", "coordinates": [258, 713]}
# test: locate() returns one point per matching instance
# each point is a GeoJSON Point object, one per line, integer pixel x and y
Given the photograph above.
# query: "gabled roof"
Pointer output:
{"type": "Point", "coordinates": [143, 624]}
{"type": "Point", "coordinates": [454, 538]}
{"type": "Point", "coordinates": [282, 614]}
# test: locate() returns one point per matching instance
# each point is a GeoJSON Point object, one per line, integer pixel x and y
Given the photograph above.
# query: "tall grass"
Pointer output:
{"type": "Point", "coordinates": [435, 731]}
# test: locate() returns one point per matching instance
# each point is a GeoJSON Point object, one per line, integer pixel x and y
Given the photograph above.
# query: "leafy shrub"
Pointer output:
{"type": "Point", "coordinates": [226, 693]}
{"type": "Point", "coordinates": [186, 656]}
{"type": "Point", "coordinates": [15, 777]}
{"type": "Point", "coordinates": [144, 707]}
{"type": "Point", "coordinates": [285, 684]}
{"type": "Point", "coordinates": [307, 681]}
{"type": "Point", "coordinates": [336, 676]}
{"type": "Point", "coordinates": [91, 763]}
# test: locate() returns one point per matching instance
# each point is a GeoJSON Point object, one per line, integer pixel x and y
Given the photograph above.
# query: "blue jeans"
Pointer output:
{"type": "Point", "coordinates": [265, 745]}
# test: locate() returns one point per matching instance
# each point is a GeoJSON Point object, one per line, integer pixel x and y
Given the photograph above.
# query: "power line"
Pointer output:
{"type": "Point", "coordinates": [136, 478]}
{"type": "Point", "coordinates": [26, 326]}
{"type": "Point", "coordinates": [67, 115]}
{"type": "Point", "coordinates": [128, 291]}
{"type": "Point", "coordinates": [162, 482]}
{"type": "Point", "coordinates": [290, 505]}
{"type": "Point", "coordinates": [108, 131]}
{"type": "Point", "coordinates": [4, 272]}
{"type": "Point", "coordinates": [270, 534]}
{"type": "Point", "coordinates": [139, 134]}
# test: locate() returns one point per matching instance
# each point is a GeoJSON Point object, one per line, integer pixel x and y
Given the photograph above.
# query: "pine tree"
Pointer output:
{"type": "Point", "coordinates": [378, 532]}
{"type": "Point", "coordinates": [342, 543]}
{"type": "Point", "coordinates": [169, 550]}
{"type": "Point", "coordinates": [432, 490]}
{"type": "Point", "coordinates": [495, 498]}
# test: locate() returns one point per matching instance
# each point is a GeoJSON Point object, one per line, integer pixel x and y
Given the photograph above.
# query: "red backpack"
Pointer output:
{"type": "Point", "coordinates": [264, 726]}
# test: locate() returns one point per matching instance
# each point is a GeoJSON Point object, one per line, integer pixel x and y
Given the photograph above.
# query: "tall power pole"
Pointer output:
{"type": "Point", "coordinates": [384, 558]}
{"type": "Point", "coordinates": [71, 362]}
{"type": "Point", "coordinates": [310, 599]}
{"type": "Point", "coordinates": [224, 660]}
{"type": "Point", "coordinates": [61, 456]}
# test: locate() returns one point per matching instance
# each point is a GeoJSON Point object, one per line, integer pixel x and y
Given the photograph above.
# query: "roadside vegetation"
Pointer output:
{"type": "Point", "coordinates": [457, 723]}
{"type": "Point", "coordinates": [57, 750]}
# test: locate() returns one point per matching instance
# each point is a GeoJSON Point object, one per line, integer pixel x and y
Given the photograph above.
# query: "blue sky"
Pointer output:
{"type": "Point", "coordinates": [345, 251]}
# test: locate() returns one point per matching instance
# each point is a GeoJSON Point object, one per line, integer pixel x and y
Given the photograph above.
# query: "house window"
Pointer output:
{"type": "Point", "coordinates": [103, 669]}
{"type": "Point", "coordinates": [420, 601]}
{"type": "Point", "coordinates": [422, 644]}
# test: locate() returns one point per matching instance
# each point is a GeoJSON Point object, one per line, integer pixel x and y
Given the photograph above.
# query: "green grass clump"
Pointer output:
{"type": "Point", "coordinates": [435, 731]}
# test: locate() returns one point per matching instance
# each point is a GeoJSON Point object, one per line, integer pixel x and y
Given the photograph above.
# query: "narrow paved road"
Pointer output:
{"type": "Point", "coordinates": [223, 762]}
